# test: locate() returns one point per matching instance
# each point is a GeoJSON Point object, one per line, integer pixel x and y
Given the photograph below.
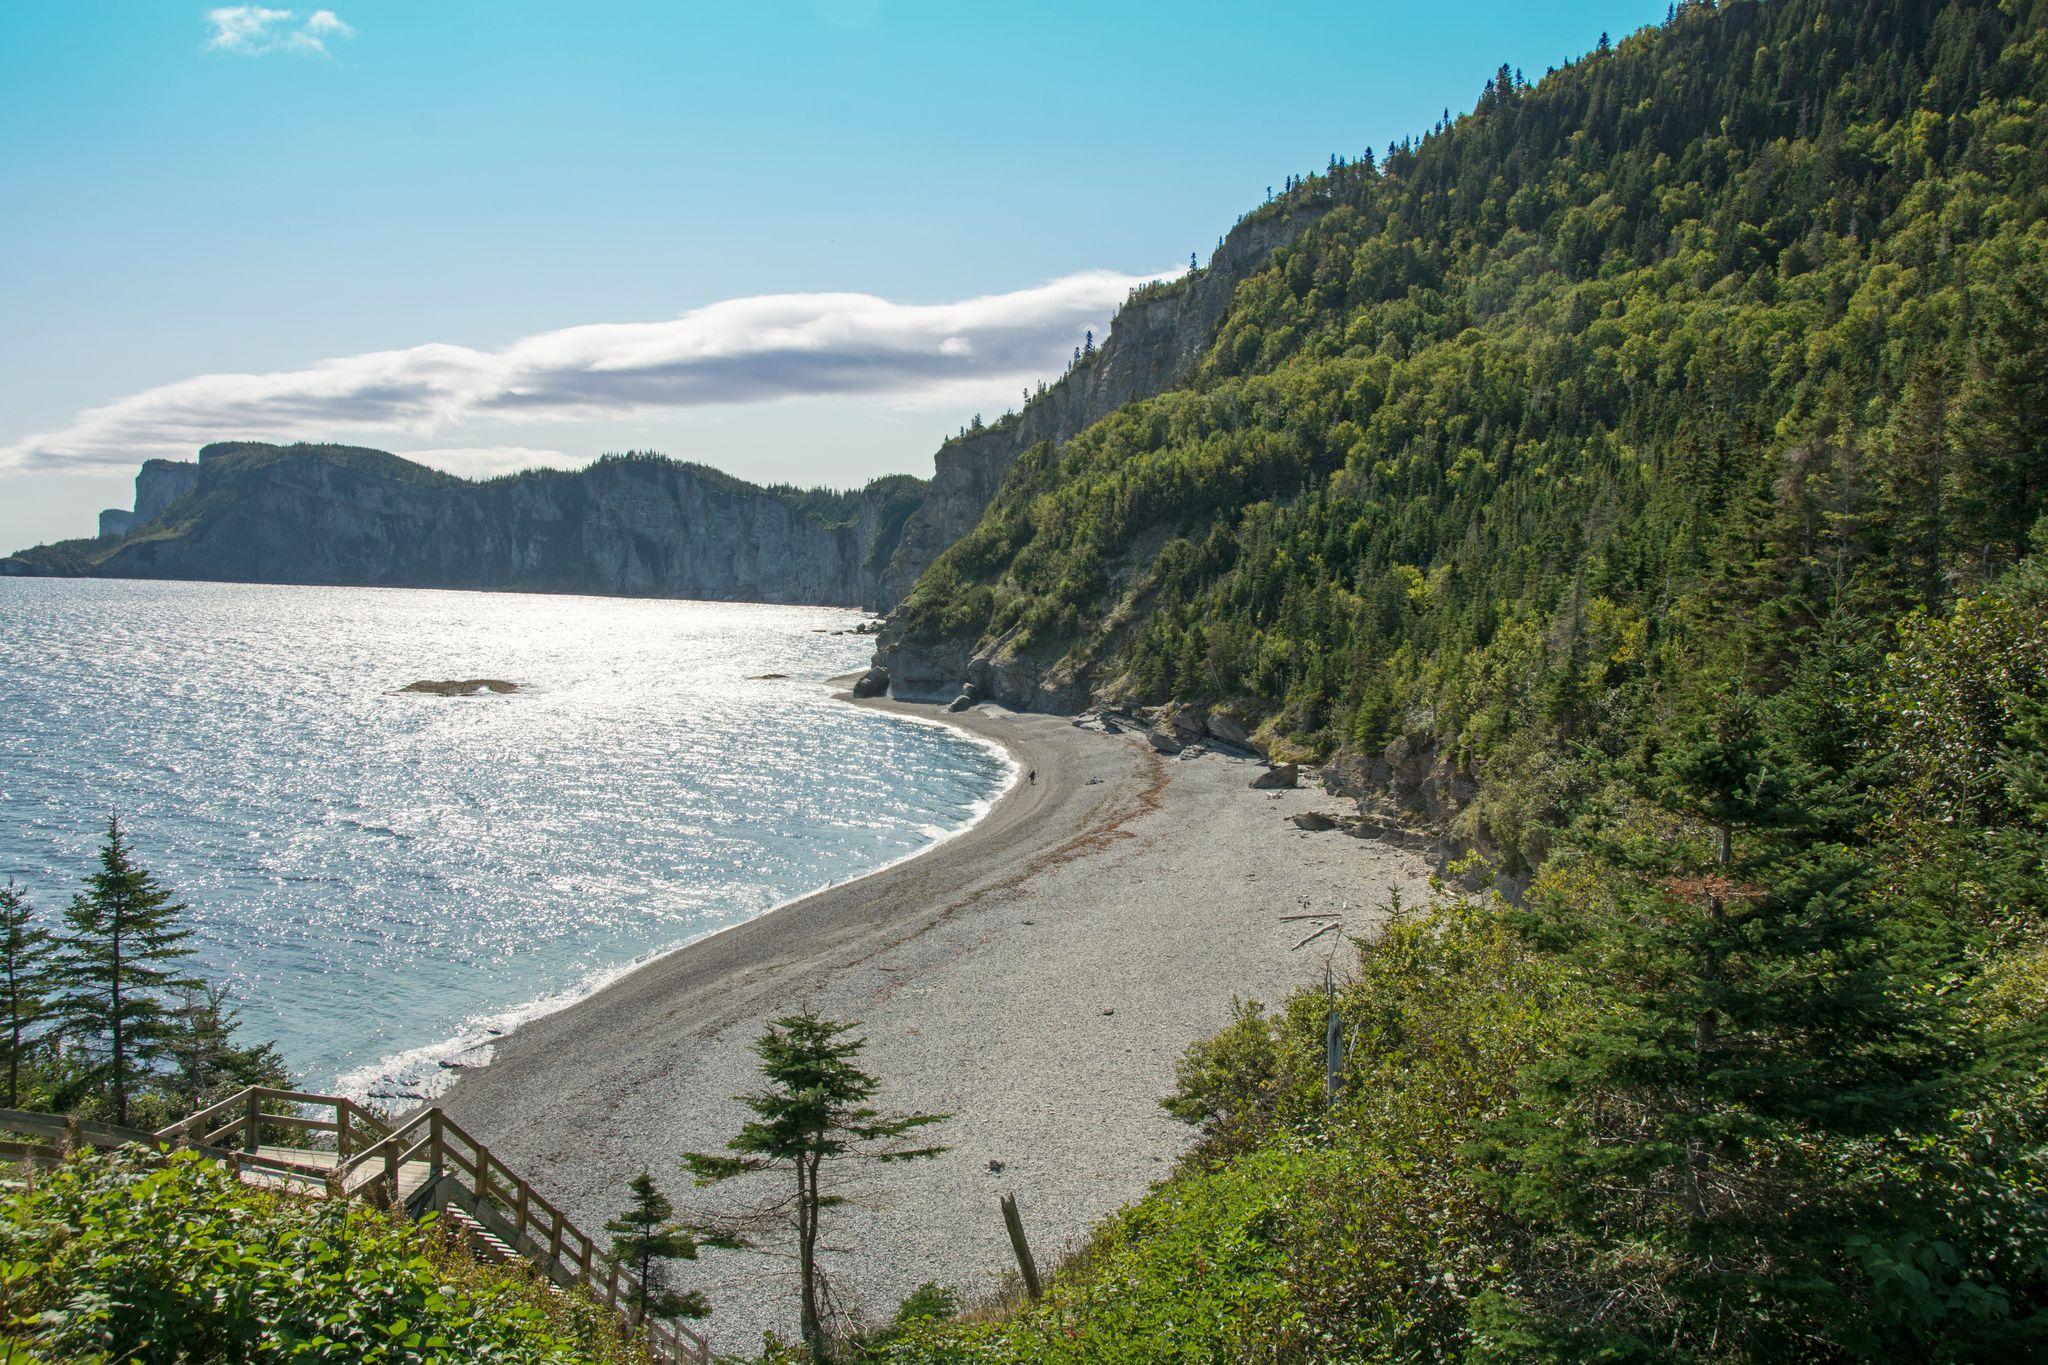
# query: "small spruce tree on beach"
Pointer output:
{"type": "Point", "coordinates": [125, 932]}
{"type": "Point", "coordinates": [645, 1238]}
{"type": "Point", "coordinates": [813, 1113]}
{"type": "Point", "coordinates": [26, 955]}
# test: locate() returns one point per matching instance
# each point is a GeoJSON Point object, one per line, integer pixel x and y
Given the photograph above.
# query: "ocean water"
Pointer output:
{"type": "Point", "coordinates": [387, 880]}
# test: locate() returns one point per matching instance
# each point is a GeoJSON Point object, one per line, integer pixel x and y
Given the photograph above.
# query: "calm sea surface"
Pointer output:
{"type": "Point", "coordinates": [386, 879]}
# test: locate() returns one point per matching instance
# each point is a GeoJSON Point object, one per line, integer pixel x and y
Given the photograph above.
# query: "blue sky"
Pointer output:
{"type": "Point", "coordinates": [431, 194]}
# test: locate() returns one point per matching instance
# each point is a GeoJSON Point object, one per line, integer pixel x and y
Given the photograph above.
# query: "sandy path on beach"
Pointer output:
{"type": "Point", "coordinates": [1036, 976]}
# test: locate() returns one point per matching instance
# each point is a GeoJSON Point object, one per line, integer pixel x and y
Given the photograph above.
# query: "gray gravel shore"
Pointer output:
{"type": "Point", "coordinates": [1036, 977]}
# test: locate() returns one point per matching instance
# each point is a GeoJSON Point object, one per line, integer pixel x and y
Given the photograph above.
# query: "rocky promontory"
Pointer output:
{"type": "Point", "coordinates": [633, 525]}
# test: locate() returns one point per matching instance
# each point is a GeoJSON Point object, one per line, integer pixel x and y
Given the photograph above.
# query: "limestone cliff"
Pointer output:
{"type": "Point", "coordinates": [637, 525]}
{"type": "Point", "coordinates": [1152, 347]}
{"type": "Point", "coordinates": [160, 483]}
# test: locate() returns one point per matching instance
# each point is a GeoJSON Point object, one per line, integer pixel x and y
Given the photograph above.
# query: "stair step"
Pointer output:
{"type": "Point", "coordinates": [486, 1242]}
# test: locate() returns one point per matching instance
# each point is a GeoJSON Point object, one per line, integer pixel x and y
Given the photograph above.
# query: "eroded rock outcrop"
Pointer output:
{"type": "Point", "coordinates": [159, 484]}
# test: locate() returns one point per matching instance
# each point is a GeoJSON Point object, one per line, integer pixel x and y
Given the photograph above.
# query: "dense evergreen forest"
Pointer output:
{"type": "Point", "coordinates": [1646, 374]}
{"type": "Point", "coordinates": [1667, 442]}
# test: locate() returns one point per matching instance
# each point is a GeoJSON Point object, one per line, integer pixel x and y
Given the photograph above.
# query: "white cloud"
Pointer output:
{"type": "Point", "coordinates": [252, 30]}
{"type": "Point", "coordinates": [746, 350]}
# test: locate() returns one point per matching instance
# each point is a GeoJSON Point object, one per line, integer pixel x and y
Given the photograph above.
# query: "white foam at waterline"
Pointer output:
{"type": "Point", "coordinates": [417, 1075]}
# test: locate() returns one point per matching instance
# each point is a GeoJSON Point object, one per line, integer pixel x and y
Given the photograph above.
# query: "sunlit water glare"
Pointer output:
{"type": "Point", "coordinates": [385, 879]}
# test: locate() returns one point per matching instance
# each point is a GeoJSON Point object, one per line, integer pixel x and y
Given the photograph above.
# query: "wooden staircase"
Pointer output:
{"type": "Point", "coordinates": [423, 1163]}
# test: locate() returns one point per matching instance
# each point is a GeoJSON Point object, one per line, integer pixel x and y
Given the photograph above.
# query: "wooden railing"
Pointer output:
{"type": "Point", "coordinates": [334, 1147]}
{"type": "Point", "coordinates": [45, 1139]}
{"type": "Point", "coordinates": [250, 1113]}
{"type": "Point", "coordinates": [462, 1173]}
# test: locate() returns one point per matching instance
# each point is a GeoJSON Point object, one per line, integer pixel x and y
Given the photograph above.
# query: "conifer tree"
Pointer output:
{"type": "Point", "coordinates": [125, 932]}
{"type": "Point", "coordinates": [645, 1239]}
{"type": "Point", "coordinates": [206, 1061]}
{"type": "Point", "coordinates": [1753, 1029]}
{"type": "Point", "coordinates": [814, 1114]}
{"type": "Point", "coordinates": [25, 983]}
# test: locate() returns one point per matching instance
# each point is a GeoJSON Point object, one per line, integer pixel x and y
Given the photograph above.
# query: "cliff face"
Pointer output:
{"type": "Point", "coordinates": [634, 525]}
{"type": "Point", "coordinates": [159, 483]}
{"type": "Point", "coordinates": [637, 526]}
{"type": "Point", "coordinates": [1152, 347]}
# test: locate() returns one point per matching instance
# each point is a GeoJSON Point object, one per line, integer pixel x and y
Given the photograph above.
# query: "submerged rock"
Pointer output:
{"type": "Point", "coordinates": [461, 687]}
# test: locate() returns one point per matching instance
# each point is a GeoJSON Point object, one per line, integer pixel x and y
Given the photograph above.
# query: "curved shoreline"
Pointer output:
{"type": "Point", "coordinates": [843, 910]}
{"type": "Point", "coordinates": [1035, 976]}
{"type": "Point", "coordinates": [477, 1045]}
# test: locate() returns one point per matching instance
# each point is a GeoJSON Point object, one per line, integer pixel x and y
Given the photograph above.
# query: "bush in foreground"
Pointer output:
{"type": "Point", "coordinates": [131, 1258]}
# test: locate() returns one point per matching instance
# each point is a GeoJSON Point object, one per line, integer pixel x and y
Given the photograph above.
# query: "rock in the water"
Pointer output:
{"type": "Point", "coordinates": [461, 687]}
{"type": "Point", "coordinates": [768, 677]}
{"type": "Point", "coordinates": [873, 683]}
{"type": "Point", "coordinates": [1314, 821]}
{"type": "Point", "coordinates": [1279, 775]}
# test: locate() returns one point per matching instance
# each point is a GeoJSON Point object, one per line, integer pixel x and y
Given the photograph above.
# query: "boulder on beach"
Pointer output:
{"type": "Point", "coordinates": [1164, 739]}
{"type": "Point", "coordinates": [873, 683]}
{"type": "Point", "coordinates": [461, 687]}
{"type": "Point", "coordinates": [961, 702]}
{"type": "Point", "coordinates": [1279, 775]}
{"type": "Point", "coordinates": [1228, 728]}
{"type": "Point", "coordinates": [1313, 821]}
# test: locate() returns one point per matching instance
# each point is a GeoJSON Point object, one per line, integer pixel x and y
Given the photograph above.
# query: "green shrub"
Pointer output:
{"type": "Point", "coordinates": [1298, 1231]}
{"type": "Point", "coordinates": [125, 1257]}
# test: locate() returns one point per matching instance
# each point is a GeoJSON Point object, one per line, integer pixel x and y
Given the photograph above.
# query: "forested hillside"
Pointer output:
{"type": "Point", "coordinates": [1635, 378]}
{"type": "Point", "coordinates": [1665, 445]}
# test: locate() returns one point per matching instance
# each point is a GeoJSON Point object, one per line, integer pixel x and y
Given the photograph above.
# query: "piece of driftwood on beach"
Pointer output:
{"type": "Point", "coordinates": [1316, 935]}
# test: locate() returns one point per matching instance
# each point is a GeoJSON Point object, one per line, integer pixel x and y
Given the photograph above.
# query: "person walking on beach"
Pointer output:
{"type": "Point", "coordinates": [1034, 777]}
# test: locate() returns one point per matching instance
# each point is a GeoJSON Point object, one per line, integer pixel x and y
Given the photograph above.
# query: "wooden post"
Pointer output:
{"type": "Point", "coordinates": [434, 1141]}
{"type": "Point", "coordinates": [252, 1122]}
{"type": "Point", "coordinates": [1025, 1265]}
{"type": "Point", "coordinates": [341, 1117]}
